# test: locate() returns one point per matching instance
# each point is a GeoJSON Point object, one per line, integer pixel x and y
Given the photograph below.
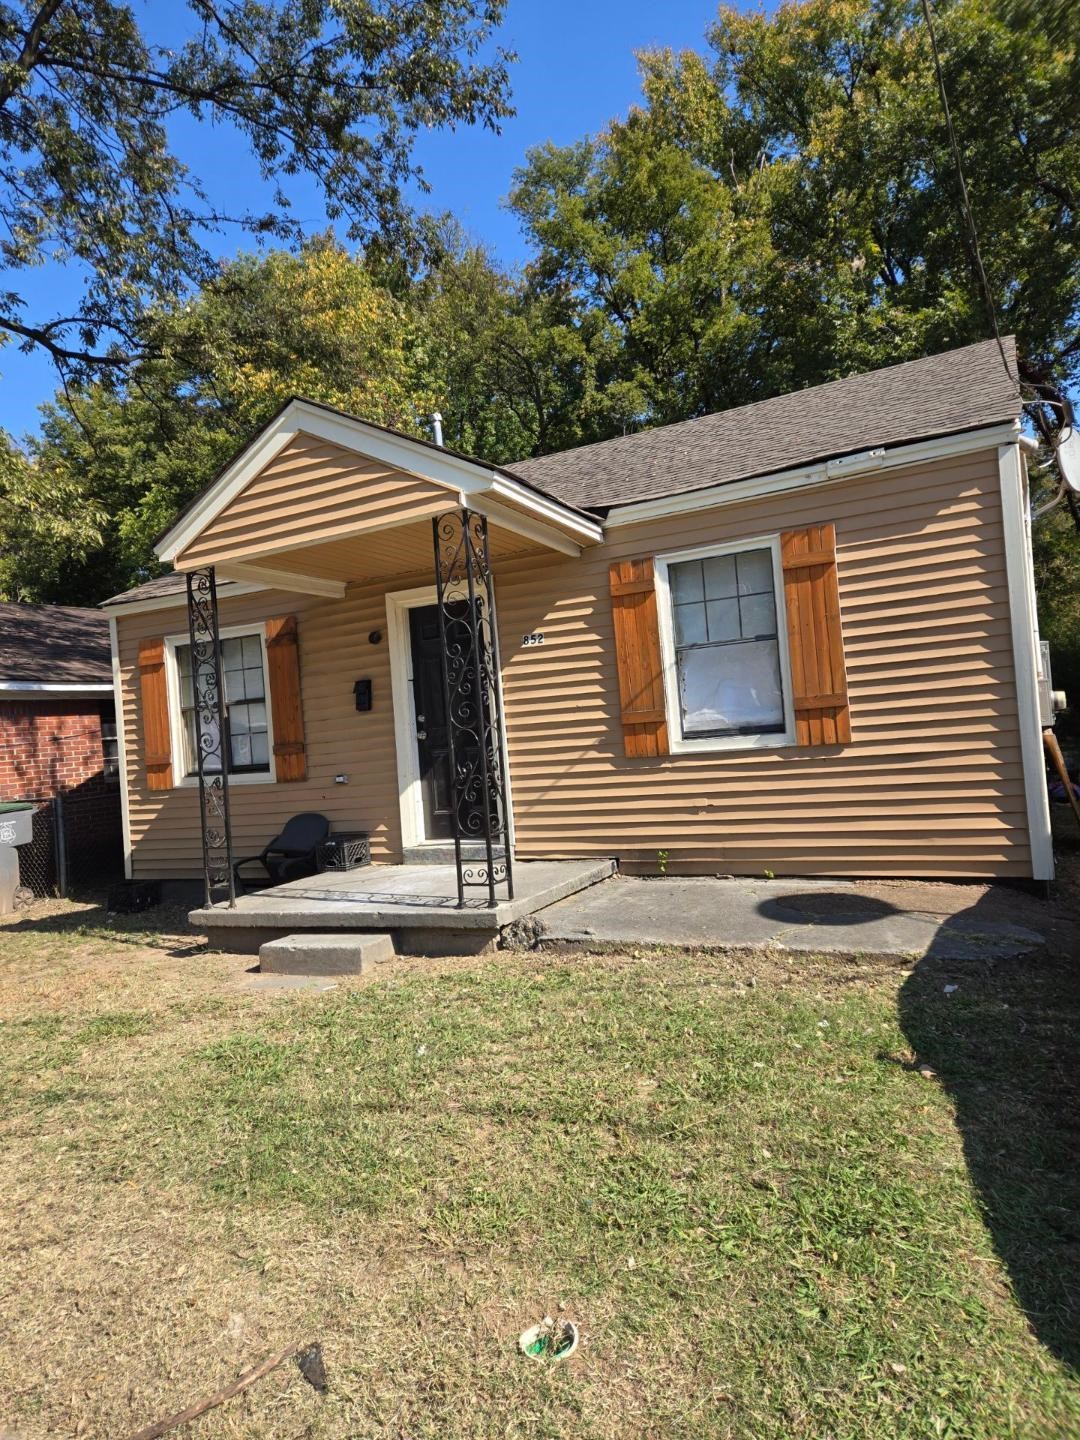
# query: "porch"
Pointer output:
{"type": "Point", "coordinates": [322, 505]}
{"type": "Point", "coordinates": [416, 904]}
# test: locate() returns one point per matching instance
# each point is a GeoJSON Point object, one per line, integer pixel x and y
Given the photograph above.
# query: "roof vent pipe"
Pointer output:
{"type": "Point", "coordinates": [436, 428]}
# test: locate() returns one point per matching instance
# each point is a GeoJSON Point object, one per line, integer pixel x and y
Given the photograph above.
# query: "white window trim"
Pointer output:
{"type": "Point", "coordinates": [677, 743]}
{"type": "Point", "coordinates": [176, 718]}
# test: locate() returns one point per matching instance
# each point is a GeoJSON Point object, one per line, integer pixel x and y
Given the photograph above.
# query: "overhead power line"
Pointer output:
{"type": "Point", "coordinates": [965, 201]}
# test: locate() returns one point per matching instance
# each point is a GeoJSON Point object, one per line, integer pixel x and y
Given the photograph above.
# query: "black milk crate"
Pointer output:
{"type": "Point", "coordinates": [347, 850]}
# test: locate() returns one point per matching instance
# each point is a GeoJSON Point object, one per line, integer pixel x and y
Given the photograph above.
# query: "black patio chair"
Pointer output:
{"type": "Point", "coordinates": [293, 854]}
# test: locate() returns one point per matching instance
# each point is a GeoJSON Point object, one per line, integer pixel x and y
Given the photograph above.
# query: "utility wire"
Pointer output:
{"type": "Point", "coordinates": [965, 202]}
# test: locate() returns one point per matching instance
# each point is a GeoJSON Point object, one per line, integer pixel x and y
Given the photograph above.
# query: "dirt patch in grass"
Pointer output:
{"type": "Point", "coordinates": [783, 1196]}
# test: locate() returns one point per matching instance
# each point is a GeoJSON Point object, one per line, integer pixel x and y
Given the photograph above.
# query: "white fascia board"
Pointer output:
{"type": "Point", "coordinates": [537, 530]}
{"type": "Point", "coordinates": [990, 437]}
{"type": "Point", "coordinates": [545, 508]}
{"type": "Point", "coordinates": [259, 574]}
{"type": "Point", "coordinates": [35, 687]}
{"type": "Point", "coordinates": [121, 747]}
{"type": "Point", "coordinates": [1024, 627]}
{"type": "Point", "coordinates": [178, 598]}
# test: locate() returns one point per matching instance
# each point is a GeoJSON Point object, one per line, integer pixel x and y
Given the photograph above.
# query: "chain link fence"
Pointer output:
{"type": "Point", "coordinates": [77, 846]}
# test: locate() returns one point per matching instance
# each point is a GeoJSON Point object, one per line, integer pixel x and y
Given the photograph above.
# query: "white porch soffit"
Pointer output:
{"type": "Point", "coordinates": [507, 502]}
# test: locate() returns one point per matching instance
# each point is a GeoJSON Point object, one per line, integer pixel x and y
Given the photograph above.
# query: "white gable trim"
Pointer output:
{"type": "Point", "coordinates": [826, 472]}
{"type": "Point", "coordinates": [397, 452]}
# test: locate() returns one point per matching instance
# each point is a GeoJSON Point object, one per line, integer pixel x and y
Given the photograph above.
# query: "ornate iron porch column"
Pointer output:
{"type": "Point", "coordinates": [211, 736]}
{"type": "Point", "coordinates": [472, 688]}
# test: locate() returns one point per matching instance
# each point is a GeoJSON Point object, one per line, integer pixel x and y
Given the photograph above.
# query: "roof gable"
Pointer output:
{"type": "Point", "coordinates": [310, 491]}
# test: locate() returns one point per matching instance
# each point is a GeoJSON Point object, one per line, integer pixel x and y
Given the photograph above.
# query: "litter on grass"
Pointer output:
{"type": "Point", "coordinates": [550, 1340]}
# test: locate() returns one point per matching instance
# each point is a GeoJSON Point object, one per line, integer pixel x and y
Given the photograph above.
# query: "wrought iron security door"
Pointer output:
{"type": "Point", "coordinates": [473, 688]}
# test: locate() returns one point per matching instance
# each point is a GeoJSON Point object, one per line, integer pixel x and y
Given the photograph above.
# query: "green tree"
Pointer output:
{"type": "Point", "coordinates": [783, 211]}
{"type": "Point", "coordinates": [130, 453]}
{"type": "Point", "coordinates": [519, 370]}
{"type": "Point", "coordinates": [44, 514]}
{"type": "Point", "coordinates": [88, 175]}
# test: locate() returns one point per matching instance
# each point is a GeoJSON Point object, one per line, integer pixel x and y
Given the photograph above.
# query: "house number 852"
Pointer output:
{"type": "Point", "coordinates": [536, 637]}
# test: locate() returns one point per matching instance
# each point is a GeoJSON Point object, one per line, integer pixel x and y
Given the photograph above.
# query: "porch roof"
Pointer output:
{"type": "Point", "coordinates": [301, 503]}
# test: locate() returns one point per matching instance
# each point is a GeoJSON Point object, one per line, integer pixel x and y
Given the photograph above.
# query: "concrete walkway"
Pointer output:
{"type": "Point", "coordinates": [947, 921]}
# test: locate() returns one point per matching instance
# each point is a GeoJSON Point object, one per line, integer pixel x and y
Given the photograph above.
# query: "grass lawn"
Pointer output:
{"type": "Point", "coordinates": [731, 1172]}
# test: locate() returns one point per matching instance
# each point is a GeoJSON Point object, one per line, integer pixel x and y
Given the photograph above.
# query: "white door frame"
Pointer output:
{"type": "Point", "coordinates": [410, 792]}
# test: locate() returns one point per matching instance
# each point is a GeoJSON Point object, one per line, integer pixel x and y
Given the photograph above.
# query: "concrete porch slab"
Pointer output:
{"type": "Point", "coordinates": [917, 919]}
{"type": "Point", "coordinates": [416, 904]}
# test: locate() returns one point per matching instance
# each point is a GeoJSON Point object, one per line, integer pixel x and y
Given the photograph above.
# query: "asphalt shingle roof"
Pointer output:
{"type": "Point", "coordinates": [163, 585]}
{"type": "Point", "coordinates": [918, 400]}
{"type": "Point", "coordinates": [54, 645]}
{"type": "Point", "coordinates": [944, 394]}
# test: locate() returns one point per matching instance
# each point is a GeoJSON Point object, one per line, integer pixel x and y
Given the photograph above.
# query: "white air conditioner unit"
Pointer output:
{"type": "Point", "coordinates": [1051, 701]}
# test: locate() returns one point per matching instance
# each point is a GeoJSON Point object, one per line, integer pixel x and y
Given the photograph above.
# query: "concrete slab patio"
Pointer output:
{"type": "Point", "coordinates": [946, 921]}
{"type": "Point", "coordinates": [415, 904]}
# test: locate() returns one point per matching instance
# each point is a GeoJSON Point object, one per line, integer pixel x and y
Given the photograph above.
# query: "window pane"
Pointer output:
{"type": "Point", "coordinates": [690, 625]}
{"type": "Point", "coordinates": [686, 583]}
{"type": "Point", "coordinates": [245, 690]}
{"type": "Point", "coordinates": [758, 615]}
{"type": "Point", "coordinates": [723, 619]}
{"type": "Point", "coordinates": [211, 744]}
{"type": "Point", "coordinates": [755, 572]}
{"type": "Point", "coordinates": [234, 686]}
{"type": "Point", "coordinates": [730, 688]}
{"type": "Point", "coordinates": [719, 576]}
{"type": "Point", "coordinates": [243, 718]}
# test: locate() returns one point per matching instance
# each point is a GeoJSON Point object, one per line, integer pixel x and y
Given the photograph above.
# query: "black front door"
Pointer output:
{"type": "Point", "coordinates": [432, 731]}
{"type": "Point", "coordinates": [432, 740]}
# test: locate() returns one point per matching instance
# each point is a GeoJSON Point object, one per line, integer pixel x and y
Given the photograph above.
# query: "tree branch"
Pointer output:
{"type": "Point", "coordinates": [28, 55]}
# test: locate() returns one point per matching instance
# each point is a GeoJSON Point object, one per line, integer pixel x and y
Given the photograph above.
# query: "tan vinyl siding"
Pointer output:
{"type": "Point", "coordinates": [312, 492]}
{"type": "Point", "coordinates": [931, 783]}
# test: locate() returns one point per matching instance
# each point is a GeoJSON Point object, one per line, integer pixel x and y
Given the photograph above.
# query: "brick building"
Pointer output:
{"type": "Point", "coordinates": [58, 741]}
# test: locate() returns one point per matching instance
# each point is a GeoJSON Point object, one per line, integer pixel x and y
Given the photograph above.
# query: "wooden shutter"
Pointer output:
{"type": "Point", "coordinates": [637, 650]}
{"type": "Point", "coordinates": [283, 664]}
{"type": "Point", "coordinates": [812, 601]}
{"type": "Point", "coordinates": [157, 739]}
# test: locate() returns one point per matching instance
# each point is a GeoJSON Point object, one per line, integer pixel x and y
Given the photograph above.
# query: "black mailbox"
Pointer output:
{"type": "Point", "coordinates": [362, 691]}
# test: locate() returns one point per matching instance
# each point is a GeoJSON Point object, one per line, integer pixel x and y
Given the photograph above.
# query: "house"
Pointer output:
{"type": "Point", "coordinates": [58, 734]}
{"type": "Point", "coordinates": [798, 637]}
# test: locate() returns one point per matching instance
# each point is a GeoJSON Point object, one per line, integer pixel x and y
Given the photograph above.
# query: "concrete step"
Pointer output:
{"type": "Point", "coordinates": [318, 954]}
{"type": "Point", "coordinates": [442, 852]}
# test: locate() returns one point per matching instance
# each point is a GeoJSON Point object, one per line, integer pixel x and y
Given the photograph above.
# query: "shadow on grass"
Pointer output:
{"type": "Point", "coordinates": [1005, 1045]}
{"type": "Point", "coordinates": [157, 928]}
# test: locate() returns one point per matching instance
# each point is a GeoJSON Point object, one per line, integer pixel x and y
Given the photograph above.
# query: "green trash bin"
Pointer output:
{"type": "Point", "coordinates": [16, 828]}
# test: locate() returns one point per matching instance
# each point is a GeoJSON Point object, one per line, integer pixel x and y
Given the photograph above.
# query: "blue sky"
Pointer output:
{"type": "Point", "coordinates": [576, 69]}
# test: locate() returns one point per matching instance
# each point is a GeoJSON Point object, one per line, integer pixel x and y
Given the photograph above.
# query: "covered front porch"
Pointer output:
{"type": "Point", "coordinates": [322, 505]}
